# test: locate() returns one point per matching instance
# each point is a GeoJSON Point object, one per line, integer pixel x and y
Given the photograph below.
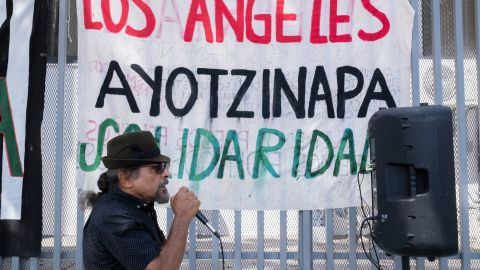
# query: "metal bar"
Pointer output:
{"type": "Point", "coordinates": [16, 263]}
{"type": "Point", "coordinates": [415, 73]}
{"type": "Point", "coordinates": [294, 255]}
{"type": "Point", "coordinates": [305, 241]}
{"type": "Point", "coordinates": [329, 249]}
{"type": "Point", "coordinates": [192, 246]}
{"type": "Point", "coordinates": [247, 255]}
{"type": "Point", "coordinates": [437, 51]}
{"type": "Point", "coordinates": [420, 263]}
{"type": "Point", "coordinates": [443, 263]}
{"type": "Point", "coordinates": [397, 262]}
{"type": "Point", "coordinates": [34, 263]}
{"type": "Point", "coordinates": [269, 255]}
{"type": "Point", "coordinates": [462, 135]}
{"type": "Point", "coordinates": [260, 240]}
{"type": "Point", "coordinates": [66, 255]}
{"type": "Point", "coordinates": [352, 238]}
{"type": "Point", "coordinates": [372, 266]}
{"type": "Point", "coordinates": [238, 240]}
{"type": "Point", "coordinates": [215, 241]}
{"type": "Point", "coordinates": [477, 45]}
{"type": "Point", "coordinates": [62, 55]}
{"type": "Point", "coordinates": [80, 222]}
{"type": "Point", "coordinates": [283, 240]}
{"type": "Point", "coordinates": [169, 219]}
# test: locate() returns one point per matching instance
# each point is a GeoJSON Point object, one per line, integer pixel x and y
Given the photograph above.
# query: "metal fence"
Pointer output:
{"type": "Point", "coordinates": [445, 55]}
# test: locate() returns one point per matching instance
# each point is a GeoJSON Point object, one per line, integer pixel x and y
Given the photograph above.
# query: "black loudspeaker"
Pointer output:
{"type": "Point", "coordinates": [413, 181]}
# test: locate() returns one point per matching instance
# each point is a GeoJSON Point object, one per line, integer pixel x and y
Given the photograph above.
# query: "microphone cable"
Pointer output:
{"type": "Point", "coordinates": [366, 220]}
{"type": "Point", "coordinates": [201, 217]}
{"type": "Point", "coordinates": [376, 262]}
{"type": "Point", "coordinates": [223, 255]}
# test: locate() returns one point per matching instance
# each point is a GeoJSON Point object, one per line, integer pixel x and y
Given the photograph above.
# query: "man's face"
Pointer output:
{"type": "Point", "coordinates": [151, 182]}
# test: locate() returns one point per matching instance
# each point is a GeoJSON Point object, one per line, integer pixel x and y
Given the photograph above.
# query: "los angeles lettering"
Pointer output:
{"type": "Point", "coordinates": [214, 23]}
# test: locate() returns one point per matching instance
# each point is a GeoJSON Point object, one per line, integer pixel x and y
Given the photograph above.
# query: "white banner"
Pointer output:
{"type": "Point", "coordinates": [13, 99]}
{"type": "Point", "coordinates": [260, 104]}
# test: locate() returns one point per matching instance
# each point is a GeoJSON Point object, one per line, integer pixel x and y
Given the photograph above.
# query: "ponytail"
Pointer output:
{"type": "Point", "coordinates": [105, 183]}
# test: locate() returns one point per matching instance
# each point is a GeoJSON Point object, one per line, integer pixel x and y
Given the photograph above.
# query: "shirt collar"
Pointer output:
{"type": "Point", "coordinates": [134, 201]}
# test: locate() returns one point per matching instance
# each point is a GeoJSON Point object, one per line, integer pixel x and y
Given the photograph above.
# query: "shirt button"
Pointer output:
{"type": "Point", "coordinates": [138, 206]}
{"type": "Point", "coordinates": [144, 204]}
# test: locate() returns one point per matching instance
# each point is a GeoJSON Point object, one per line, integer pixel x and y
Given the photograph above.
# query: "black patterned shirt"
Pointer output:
{"type": "Point", "coordinates": [121, 233]}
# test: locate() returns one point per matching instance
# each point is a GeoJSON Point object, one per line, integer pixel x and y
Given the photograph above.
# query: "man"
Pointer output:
{"type": "Point", "coordinates": [122, 230]}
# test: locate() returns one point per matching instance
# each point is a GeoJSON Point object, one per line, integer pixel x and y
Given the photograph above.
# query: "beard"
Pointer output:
{"type": "Point", "coordinates": [162, 195]}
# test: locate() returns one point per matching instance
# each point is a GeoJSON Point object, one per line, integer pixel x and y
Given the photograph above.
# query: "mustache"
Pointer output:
{"type": "Point", "coordinates": [164, 184]}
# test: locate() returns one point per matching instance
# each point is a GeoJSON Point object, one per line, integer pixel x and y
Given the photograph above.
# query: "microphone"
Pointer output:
{"type": "Point", "coordinates": [207, 223]}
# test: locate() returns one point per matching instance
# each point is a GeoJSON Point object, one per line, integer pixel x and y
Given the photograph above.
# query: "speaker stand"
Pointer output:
{"type": "Point", "coordinates": [405, 263]}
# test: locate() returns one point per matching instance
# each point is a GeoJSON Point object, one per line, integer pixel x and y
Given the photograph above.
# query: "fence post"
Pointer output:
{"type": "Point", "coordinates": [62, 40]}
{"type": "Point", "coordinates": [329, 249]}
{"type": "Point", "coordinates": [238, 240]}
{"type": "Point", "coordinates": [415, 55]}
{"type": "Point", "coordinates": [34, 263]}
{"type": "Point", "coordinates": [305, 243]}
{"type": "Point", "coordinates": [352, 238]}
{"type": "Point", "coordinates": [80, 222]}
{"type": "Point", "coordinates": [261, 240]}
{"type": "Point", "coordinates": [462, 144]}
{"type": "Point", "coordinates": [437, 51]}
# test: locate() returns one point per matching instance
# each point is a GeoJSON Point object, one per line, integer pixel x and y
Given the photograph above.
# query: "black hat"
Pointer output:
{"type": "Point", "coordinates": [133, 149]}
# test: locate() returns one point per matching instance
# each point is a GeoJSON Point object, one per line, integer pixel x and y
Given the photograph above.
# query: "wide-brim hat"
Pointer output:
{"type": "Point", "coordinates": [133, 149]}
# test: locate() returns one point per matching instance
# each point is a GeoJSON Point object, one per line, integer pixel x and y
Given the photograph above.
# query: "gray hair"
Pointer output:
{"type": "Point", "coordinates": [106, 182]}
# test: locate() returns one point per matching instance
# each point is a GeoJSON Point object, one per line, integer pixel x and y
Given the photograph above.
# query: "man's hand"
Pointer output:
{"type": "Point", "coordinates": [185, 204]}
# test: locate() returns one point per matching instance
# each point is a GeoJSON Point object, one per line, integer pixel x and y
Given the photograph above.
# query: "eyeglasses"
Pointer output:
{"type": "Point", "coordinates": [160, 168]}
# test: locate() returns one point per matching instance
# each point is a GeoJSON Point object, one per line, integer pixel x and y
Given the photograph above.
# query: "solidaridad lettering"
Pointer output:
{"type": "Point", "coordinates": [231, 152]}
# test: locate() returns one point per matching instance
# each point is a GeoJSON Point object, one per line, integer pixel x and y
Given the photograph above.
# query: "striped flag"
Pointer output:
{"type": "Point", "coordinates": [22, 87]}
